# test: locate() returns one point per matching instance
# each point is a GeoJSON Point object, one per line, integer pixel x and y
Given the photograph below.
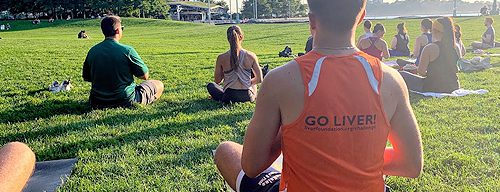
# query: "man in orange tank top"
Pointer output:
{"type": "Point", "coordinates": [330, 113]}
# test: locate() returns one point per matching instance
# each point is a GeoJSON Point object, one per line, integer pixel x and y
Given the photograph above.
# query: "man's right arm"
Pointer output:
{"type": "Point", "coordinates": [405, 157]}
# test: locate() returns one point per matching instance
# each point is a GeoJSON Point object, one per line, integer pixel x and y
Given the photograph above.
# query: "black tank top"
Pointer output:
{"type": "Point", "coordinates": [402, 43]}
{"type": "Point", "coordinates": [442, 72]}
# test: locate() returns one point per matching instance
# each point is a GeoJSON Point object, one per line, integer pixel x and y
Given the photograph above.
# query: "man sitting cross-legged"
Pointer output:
{"type": "Point", "coordinates": [111, 67]}
{"type": "Point", "coordinates": [488, 40]}
{"type": "Point", "coordinates": [330, 112]}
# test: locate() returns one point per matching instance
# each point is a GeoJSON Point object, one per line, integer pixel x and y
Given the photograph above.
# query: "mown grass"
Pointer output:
{"type": "Point", "coordinates": [167, 146]}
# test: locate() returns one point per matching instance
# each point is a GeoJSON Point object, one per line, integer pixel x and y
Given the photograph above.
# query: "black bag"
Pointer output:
{"type": "Point", "coordinates": [287, 52]}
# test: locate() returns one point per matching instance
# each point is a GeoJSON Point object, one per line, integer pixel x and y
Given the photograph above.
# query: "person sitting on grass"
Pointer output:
{"type": "Point", "coordinates": [330, 112]}
{"type": "Point", "coordinates": [367, 27]}
{"type": "Point", "coordinates": [437, 71]}
{"type": "Point", "coordinates": [82, 35]}
{"type": "Point", "coordinates": [375, 45]}
{"type": "Point", "coordinates": [235, 68]}
{"type": "Point", "coordinates": [17, 163]}
{"type": "Point", "coordinates": [111, 66]}
{"type": "Point", "coordinates": [488, 40]}
{"type": "Point", "coordinates": [422, 40]}
{"type": "Point", "coordinates": [36, 21]}
{"type": "Point", "coordinates": [309, 44]}
{"type": "Point", "coordinates": [400, 42]}
{"type": "Point", "coordinates": [458, 40]}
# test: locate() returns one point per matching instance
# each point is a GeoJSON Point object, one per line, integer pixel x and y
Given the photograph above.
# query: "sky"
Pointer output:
{"type": "Point", "coordinates": [387, 1]}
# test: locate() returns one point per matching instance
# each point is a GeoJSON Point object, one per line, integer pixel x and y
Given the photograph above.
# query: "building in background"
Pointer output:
{"type": "Point", "coordinates": [184, 10]}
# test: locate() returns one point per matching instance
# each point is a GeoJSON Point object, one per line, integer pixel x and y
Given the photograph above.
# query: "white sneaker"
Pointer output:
{"type": "Point", "coordinates": [55, 87]}
{"type": "Point", "coordinates": [66, 85]}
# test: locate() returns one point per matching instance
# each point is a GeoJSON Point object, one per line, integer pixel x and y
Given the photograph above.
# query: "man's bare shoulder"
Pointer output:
{"type": "Point", "coordinates": [284, 77]}
{"type": "Point", "coordinates": [391, 76]}
{"type": "Point", "coordinates": [393, 90]}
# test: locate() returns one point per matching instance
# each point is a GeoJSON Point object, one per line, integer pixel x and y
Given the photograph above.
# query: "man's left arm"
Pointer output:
{"type": "Point", "coordinates": [139, 68]}
{"type": "Point", "coordinates": [262, 144]}
{"type": "Point", "coordinates": [86, 70]}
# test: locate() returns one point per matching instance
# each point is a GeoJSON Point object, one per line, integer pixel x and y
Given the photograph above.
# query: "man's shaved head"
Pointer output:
{"type": "Point", "coordinates": [337, 15]}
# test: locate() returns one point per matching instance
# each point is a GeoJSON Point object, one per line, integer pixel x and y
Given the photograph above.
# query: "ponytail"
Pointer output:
{"type": "Point", "coordinates": [233, 37]}
{"type": "Point", "coordinates": [402, 29]}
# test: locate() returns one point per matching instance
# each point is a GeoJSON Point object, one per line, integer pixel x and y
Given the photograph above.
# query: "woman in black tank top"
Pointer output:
{"type": "Point", "coordinates": [400, 42]}
{"type": "Point", "coordinates": [440, 74]}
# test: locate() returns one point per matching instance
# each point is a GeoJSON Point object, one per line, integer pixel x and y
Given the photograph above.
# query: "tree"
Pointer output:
{"type": "Point", "coordinates": [274, 8]}
{"type": "Point", "coordinates": [83, 8]}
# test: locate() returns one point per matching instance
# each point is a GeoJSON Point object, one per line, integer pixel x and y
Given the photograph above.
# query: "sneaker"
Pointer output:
{"type": "Point", "coordinates": [66, 85]}
{"type": "Point", "coordinates": [55, 87]}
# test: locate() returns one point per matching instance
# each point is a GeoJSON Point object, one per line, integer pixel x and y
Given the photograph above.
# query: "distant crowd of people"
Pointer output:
{"type": "Point", "coordinates": [329, 112]}
{"type": "Point", "coordinates": [436, 51]}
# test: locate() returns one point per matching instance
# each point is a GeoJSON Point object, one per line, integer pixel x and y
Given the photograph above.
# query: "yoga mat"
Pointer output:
{"type": "Point", "coordinates": [49, 175]}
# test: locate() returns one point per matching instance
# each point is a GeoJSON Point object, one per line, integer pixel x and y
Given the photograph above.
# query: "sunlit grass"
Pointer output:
{"type": "Point", "coordinates": [167, 146]}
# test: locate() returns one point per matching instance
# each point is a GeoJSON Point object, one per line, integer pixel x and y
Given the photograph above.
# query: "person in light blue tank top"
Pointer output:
{"type": "Point", "coordinates": [422, 40]}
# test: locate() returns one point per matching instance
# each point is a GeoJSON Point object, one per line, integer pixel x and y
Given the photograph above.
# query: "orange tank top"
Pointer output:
{"type": "Point", "coordinates": [338, 142]}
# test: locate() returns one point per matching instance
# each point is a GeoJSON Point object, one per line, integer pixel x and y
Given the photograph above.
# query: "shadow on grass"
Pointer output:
{"type": "Point", "coordinates": [46, 109]}
{"type": "Point", "coordinates": [416, 98]}
{"type": "Point", "coordinates": [70, 149]}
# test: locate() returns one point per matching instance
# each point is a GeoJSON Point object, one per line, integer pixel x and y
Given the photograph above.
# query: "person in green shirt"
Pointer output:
{"type": "Point", "coordinates": [111, 66]}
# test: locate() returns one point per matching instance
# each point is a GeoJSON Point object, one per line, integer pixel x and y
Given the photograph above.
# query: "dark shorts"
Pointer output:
{"type": "Point", "coordinates": [267, 181]}
{"type": "Point", "coordinates": [230, 95]}
{"type": "Point", "coordinates": [145, 93]}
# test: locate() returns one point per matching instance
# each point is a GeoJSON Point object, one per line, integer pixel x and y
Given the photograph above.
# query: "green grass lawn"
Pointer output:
{"type": "Point", "coordinates": [167, 146]}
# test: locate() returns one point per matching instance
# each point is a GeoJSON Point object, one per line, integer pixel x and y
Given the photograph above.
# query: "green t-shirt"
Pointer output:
{"type": "Point", "coordinates": [111, 67]}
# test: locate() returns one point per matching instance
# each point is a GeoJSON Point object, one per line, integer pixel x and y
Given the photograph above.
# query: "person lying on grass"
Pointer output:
{"type": "Point", "coordinates": [111, 66]}
{"type": "Point", "coordinates": [17, 163]}
{"type": "Point", "coordinates": [376, 45]}
{"type": "Point", "coordinates": [330, 112]}
{"type": "Point", "coordinates": [488, 39]}
{"type": "Point", "coordinates": [437, 71]}
{"type": "Point", "coordinates": [235, 68]}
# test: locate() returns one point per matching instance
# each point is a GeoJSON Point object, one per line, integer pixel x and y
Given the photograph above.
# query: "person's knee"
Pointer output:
{"type": "Point", "coordinates": [21, 150]}
{"type": "Point", "coordinates": [223, 150]}
{"type": "Point", "coordinates": [210, 86]}
{"type": "Point", "coordinates": [160, 86]}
